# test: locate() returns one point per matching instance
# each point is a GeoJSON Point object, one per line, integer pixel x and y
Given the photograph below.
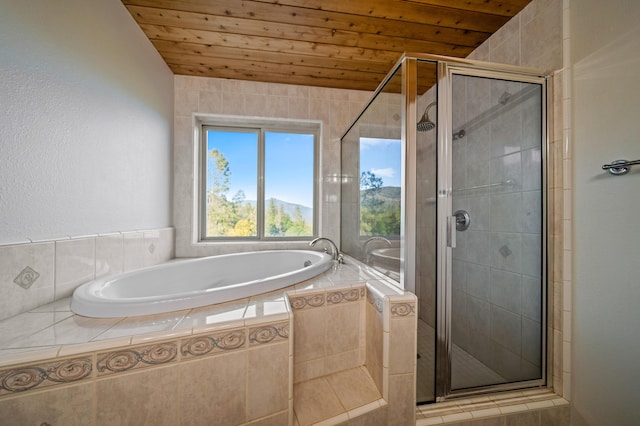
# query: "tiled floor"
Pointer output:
{"type": "Point", "coordinates": [469, 372]}
{"type": "Point", "coordinates": [333, 397]}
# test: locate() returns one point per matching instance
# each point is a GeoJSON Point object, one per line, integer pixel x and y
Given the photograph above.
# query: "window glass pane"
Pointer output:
{"type": "Point", "coordinates": [288, 184]}
{"type": "Point", "coordinates": [231, 183]}
{"type": "Point", "coordinates": [380, 189]}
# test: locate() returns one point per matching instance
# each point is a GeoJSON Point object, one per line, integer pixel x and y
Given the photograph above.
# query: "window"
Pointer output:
{"type": "Point", "coordinates": [258, 181]}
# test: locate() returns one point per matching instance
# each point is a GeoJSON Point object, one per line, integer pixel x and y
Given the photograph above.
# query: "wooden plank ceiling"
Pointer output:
{"type": "Point", "coordinates": [349, 44]}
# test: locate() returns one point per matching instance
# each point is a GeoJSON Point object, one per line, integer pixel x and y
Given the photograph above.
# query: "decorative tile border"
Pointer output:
{"type": "Point", "coordinates": [342, 296]}
{"type": "Point", "coordinates": [324, 298]}
{"type": "Point", "coordinates": [269, 333]}
{"type": "Point", "coordinates": [209, 344]}
{"type": "Point", "coordinates": [136, 358]}
{"type": "Point", "coordinates": [20, 379]}
{"type": "Point", "coordinates": [308, 301]}
{"type": "Point", "coordinates": [403, 309]}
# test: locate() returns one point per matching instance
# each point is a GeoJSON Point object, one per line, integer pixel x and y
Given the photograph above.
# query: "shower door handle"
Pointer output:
{"type": "Point", "coordinates": [451, 231]}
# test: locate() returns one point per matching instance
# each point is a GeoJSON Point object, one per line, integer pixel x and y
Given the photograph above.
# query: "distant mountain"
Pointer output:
{"type": "Point", "coordinates": [288, 208]}
{"type": "Point", "coordinates": [386, 193]}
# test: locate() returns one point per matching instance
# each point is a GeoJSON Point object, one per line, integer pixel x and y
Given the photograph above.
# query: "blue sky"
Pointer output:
{"type": "Point", "coordinates": [288, 164]}
{"type": "Point", "coordinates": [382, 158]}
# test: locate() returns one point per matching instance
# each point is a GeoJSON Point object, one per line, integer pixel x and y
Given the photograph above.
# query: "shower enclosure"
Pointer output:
{"type": "Point", "coordinates": [443, 191]}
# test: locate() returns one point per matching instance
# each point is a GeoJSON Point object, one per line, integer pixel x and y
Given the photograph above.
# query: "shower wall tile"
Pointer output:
{"type": "Point", "coordinates": [532, 212]}
{"type": "Point", "coordinates": [506, 251]}
{"type": "Point", "coordinates": [531, 332]}
{"type": "Point", "coordinates": [506, 290]}
{"type": "Point", "coordinates": [75, 264]}
{"type": "Point", "coordinates": [532, 298]}
{"type": "Point", "coordinates": [476, 247]}
{"type": "Point", "coordinates": [26, 277]}
{"type": "Point", "coordinates": [109, 255]}
{"type": "Point", "coordinates": [507, 212]}
{"type": "Point", "coordinates": [478, 280]}
{"type": "Point", "coordinates": [506, 329]}
{"type": "Point", "coordinates": [531, 255]}
{"type": "Point", "coordinates": [542, 46]}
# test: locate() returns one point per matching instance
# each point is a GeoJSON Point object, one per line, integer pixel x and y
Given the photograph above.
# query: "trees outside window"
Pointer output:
{"type": "Point", "coordinates": [258, 183]}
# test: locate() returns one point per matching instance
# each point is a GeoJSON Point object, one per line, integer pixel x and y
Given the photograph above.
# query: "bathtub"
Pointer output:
{"type": "Point", "coordinates": [190, 283]}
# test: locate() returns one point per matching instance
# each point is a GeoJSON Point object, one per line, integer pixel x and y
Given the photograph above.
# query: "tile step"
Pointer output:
{"type": "Point", "coordinates": [336, 398]}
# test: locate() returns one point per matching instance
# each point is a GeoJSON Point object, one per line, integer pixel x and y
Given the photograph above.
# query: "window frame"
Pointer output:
{"type": "Point", "coordinates": [261, 127]}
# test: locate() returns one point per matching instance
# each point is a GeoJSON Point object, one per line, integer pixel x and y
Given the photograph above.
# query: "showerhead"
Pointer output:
{"type": "Point", "coordinates": [425, 124]}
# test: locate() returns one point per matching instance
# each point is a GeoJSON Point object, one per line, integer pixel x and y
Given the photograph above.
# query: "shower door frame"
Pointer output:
{"type": "Point", "coordinates": [446, 223]}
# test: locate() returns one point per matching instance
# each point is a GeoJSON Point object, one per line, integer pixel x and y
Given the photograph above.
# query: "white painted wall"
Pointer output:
{"type": "Point", "coordinates": [605, 46]}
{"type": "Point", "coordinates": [86, 116]}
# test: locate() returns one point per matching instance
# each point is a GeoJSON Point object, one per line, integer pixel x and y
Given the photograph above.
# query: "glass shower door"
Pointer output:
{"type": "Point", "coordinates": [496, 284]}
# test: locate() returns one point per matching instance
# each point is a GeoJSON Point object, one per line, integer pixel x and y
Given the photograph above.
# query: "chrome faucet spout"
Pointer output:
{"type": "Point", "coordinates": [336, 253]}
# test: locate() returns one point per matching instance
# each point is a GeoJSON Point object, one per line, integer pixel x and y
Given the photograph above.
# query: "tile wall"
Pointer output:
{"type": "Point", "coordinates": [34, 273]}
{"type": "Point", "coordinates": [538, 37]}
{"type": "Point", "coordinates": [129, 385]}
{"type": "Point", "coordinates": [334, 108]}
{"type": "Point", "coordinates": [246, 362]}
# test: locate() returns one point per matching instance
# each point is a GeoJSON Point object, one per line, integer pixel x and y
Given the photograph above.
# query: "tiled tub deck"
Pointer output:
{"type": "Point", "coordinates": [336, 349]}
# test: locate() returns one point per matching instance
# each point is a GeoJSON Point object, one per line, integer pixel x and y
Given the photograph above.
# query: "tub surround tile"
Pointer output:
{"type": "Point", "coordinates": [19, 379]}
{"type": "Point", "coordinates": [109, 255]}
{"type": "Point", "coordinates": [268, 333]}
{"type": "Point", "coordinates": [48, 269]}
{"type": "Point", "coordinates": [75, 264]}
{"type": "Point", "coordinates": [70, 406]}
{"type": "Point", "coordinates": [134, 247]}
{"type": "Point", "coordinates": [268, 392]}
{"type": "Point", "coordinates": [354, 388]}
{"type": "Point", "coordinates": [315, 401]}
{"type": "Point", "coordinates": [265, 324]}
{"type": "Point", "coordinates": [12, 357]}
{"type": "Point", "coordinates": [72, 330]}
{"type": "Point", "coordinates": [27, 277]}
{"type": "Point", "coordinates": [214, 317]}
{"type": "Point", "coordinates": [211, 344]}
{"type": "Point", "coordinates": [201, 402]}
{"type": "Point", "coordinates": [135, 358]}
{"type": "Point", "coordinates": [61, 305]}
{"type": "Point", "coordinates": [146, 390]}
{"type": "Point", "coordinates": [19, 327]}
{"type": "Point", "coordinates": [130, 326]}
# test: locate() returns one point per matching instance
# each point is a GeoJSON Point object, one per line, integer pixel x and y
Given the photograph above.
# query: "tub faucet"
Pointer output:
{"type": "Point", "coordinates": [336, 253]}
{"type": "Point", "coordinates": [369, 241]}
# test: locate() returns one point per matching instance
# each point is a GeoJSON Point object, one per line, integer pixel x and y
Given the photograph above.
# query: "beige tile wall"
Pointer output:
{"type": "Point", "coordinates": [36, 273]}
{"type": "Point", "coordinates": [334, 108]}
{"type": "Point", "coordinates": [236, 376]}
{"type": "Point", "coordinates": [538, 37]}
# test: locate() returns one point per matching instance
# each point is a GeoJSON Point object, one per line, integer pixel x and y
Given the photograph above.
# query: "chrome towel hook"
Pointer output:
{"type": "Point", "coordinates": [620, 167]}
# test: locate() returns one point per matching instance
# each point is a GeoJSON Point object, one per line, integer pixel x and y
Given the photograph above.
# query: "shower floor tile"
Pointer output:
{"type": "Point", "coordinates": [471, 372]}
